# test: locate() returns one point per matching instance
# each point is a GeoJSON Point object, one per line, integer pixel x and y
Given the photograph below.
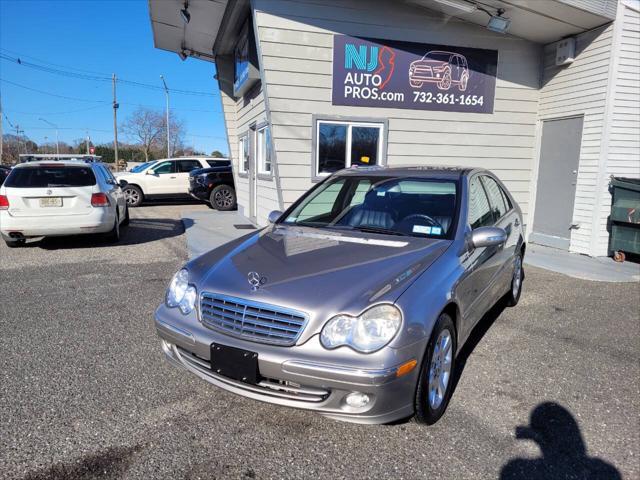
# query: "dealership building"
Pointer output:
{"type": "Point", "coordinates": [545, 93]}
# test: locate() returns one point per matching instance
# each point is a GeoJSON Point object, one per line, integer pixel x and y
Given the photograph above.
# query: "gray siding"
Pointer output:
{"type": "Point", "coordinates": [606, 8]}
{"type": "Point", "coordinates": [580, 89]}
{"type": "Point", "coordinates": [296, 41]}
{"type": "Point", "coordinates": [623, 149]}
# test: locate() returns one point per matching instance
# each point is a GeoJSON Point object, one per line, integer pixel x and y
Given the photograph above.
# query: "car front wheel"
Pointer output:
{"type": "Point", "coordinates": [133, 195]}
{"type": "Point", "coordinates": [435, 382]}
{"type": "Point", "coordinates": [223, 198]}
{"type": "Point", "coordinates": [513, 296]}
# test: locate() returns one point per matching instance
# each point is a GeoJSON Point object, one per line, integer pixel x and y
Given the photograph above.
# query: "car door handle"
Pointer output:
{"type": "Point", "coordinates": [173, 177]}
{"type": "Point", "coordinates": [517, 223]}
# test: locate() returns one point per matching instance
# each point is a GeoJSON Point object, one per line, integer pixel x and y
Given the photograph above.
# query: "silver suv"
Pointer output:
{"type": "Point", "coordinates": [356, 300]}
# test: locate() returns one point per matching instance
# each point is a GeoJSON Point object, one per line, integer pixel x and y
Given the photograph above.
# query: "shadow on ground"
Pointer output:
{"type": "Point", "coordinates": [139, 231]}
{"type": "Point", "coordinates": [564, 453]}
{"type": "Point", "coordinates": [111, 463]}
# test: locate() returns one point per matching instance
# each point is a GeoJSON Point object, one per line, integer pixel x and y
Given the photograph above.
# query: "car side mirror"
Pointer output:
{"type": "Point", "coordinates": [274, 216]}
{"type": "Point", "coordinates": [122, 183]}
{"type": "Point", "coordinates": [150, 172]}
{"type": "Point", "coordinates": [488, 237]}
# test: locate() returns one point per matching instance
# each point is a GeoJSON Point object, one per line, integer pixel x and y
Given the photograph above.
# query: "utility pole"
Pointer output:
{"type": "Point", "coordinates": [166, 91]}
{"type": "Point", "coordinates": [115, 122]}
{"type": "Point", "coordinates": [45, 143]}
{"type": "Point", "coordinates": [87, 142]}
{"type": "Point", "coordinates": [18, 134]}
{"type": "Point", "coordinates": [56, 127]}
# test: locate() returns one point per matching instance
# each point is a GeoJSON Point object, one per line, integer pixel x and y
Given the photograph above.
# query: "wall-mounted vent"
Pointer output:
{"type": "Point", "coordinates": [565, 51]}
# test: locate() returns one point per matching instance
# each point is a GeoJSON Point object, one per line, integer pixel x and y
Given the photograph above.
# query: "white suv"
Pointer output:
{"type": "Point", "coordinates": [161, 178]}
{"type": "Point", "coordinates": [41, 199]}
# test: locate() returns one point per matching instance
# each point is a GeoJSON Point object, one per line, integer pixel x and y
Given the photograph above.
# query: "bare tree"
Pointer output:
{"type": "Point", "coordinates": [177, 132]}
{"type": "Point", "coordinates": [145, 127]}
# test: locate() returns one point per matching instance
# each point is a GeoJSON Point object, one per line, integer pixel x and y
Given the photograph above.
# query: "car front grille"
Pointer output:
{"type": "Point", "coordinates": [258, 322]}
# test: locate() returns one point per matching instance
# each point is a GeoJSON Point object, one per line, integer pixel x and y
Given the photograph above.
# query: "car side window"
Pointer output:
{"type": "Point", "coordinates": [479, 209]}
{"type": "Point", "coordinates": [185, 166]}
{"type": "Point", "coordinates": [164, 167]}
{"type": "Point", "coordinates": [498, 206]}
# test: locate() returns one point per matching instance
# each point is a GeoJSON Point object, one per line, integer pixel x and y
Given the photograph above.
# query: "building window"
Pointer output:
{"type": "Point", "coordinates": [263, 143]}
{"type": "Point", "coordinates": [341, 144]}
{"type": "Point", "coordinates": [243, 154]}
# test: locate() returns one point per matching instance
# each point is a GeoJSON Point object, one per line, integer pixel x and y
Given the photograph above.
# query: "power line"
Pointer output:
{"type": "Point", "coordinates": [92, 101]}
{"type": "Point", "coordinates": [53, 94]}
{"type": "Point", "coordinates": [98, 78]}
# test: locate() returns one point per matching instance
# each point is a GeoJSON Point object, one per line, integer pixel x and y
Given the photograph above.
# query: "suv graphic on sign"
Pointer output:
{"type": "Point", "coordinates": [442, 68]}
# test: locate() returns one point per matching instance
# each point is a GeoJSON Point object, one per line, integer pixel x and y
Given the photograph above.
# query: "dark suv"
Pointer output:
{"type": "Point", "coordinates": [214, 185]}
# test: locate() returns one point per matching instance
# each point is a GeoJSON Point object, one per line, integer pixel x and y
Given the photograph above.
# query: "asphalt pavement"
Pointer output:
{"type": "Point", "coordinates": [548, 389]}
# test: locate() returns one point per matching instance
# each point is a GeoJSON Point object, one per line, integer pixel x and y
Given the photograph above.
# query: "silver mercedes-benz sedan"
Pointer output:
{"type": "Point", "coordinates": [355, 301]}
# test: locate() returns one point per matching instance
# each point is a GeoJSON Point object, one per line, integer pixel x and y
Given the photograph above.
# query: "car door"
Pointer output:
{"type": "Point", "coordinates": [506, 218]}
{"type": "Point", "coordinates": [480, 264]}
{"type": "Point", "coordinates": [183, 168]}
{"type": "Point", "coordinates": [161, 179]}
{"type": "Point", "coordinates": [115, 191]}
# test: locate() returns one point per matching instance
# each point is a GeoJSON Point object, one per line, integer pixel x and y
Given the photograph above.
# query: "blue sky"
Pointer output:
{"type": "Point", "coordinates": [102, 37]}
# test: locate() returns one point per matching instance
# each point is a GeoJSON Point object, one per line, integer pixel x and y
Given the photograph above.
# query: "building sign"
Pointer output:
{"type": "Point", "coordinates": [389, 74]}
{"type": "Point", "coordinates": [245, 59]}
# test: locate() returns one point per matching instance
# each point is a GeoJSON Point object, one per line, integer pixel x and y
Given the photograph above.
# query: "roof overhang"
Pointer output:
{"type": "Point", "coordinates": [195, 38]}
{"type": "Point", "coordinates": [541, 21]}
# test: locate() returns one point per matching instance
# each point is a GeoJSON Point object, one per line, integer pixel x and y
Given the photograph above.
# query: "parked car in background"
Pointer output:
{"type": "Point", "coordinates": [66, 197]}
{"type": "Point", "coordinates": [214, 185]}
{"type": "Point", "coordinates": [356, 300]}
{"type": "Point", "coordinates": [167, 178]}
{"type": "Point", "coordinates": [4, 173]}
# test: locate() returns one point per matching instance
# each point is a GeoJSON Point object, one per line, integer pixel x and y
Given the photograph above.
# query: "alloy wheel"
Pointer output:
{"type": "Point", "coordinates": [517, 277]}
{"type": "Point", "coordinates": [440, 369]}
{"type": "Point", "coordinates": [132, 196]}
{"type": "Point", "coordinates": [223, 198]}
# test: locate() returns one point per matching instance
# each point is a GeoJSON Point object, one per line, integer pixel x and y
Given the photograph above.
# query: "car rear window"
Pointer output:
{"type": "Point", "coordinates": [50, 176]}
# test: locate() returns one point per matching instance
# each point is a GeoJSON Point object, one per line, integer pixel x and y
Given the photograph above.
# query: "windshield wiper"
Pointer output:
{"type": "Point", "coordinates": [386, 231]}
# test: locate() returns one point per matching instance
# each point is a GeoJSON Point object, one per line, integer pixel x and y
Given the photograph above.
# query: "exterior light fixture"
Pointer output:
{"type": "Point", "coordinates": [184, 13]}
{"type": "Point", "coordinates": [183, 54]}
{"type": "Point", "coordinates": [498, 23]}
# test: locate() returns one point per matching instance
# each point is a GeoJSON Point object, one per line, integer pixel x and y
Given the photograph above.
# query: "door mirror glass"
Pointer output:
{"type": "Point", "coordinates": [123, 183]}
{"type": "Point", "coordinates": [488, 237]}
{"type": "Point", "coordinates": [274, 216]}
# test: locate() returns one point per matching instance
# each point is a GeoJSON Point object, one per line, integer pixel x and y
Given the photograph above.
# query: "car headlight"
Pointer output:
{"type": "Point", "coordinates": [180, 293]}
{"type": "Point", "coordinates": [368, 332]}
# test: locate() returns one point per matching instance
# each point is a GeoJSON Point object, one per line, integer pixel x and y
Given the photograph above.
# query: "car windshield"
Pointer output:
{"type": "Point", "coordinates": [142, 166]}
{"type": "Point", "coordinates": [388, 205]}
{"type": "Point", "coordinates": [439, 56]}
{"type": "Point", "coordinates": [45, 176]}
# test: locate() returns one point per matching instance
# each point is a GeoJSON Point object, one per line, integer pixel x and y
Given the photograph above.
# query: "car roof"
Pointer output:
{"type": "Point", "coordinates": [67, 163]}
{"type": "Point", "coordinates": [421, 171]}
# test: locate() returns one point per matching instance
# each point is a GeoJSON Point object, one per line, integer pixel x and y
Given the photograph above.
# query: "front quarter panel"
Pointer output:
{"type": "Point", "coordinates": [426, 298]}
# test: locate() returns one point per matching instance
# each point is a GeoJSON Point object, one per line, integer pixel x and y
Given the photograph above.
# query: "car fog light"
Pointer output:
{"type": "Point", "coordinates": [357, 400]}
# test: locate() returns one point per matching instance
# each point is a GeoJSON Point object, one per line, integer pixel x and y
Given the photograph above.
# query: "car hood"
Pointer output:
{"type": "Point", "coordinates": [316, 271]}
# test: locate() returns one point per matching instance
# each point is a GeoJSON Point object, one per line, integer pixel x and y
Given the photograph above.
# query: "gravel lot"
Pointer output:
{"type": "Point", "coordinates": [549, 389]}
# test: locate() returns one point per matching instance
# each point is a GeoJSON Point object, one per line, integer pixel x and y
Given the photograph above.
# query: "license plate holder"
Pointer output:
{"type": "Point", "coordinates": [235, 363]}
{"type": "Point", "coordinates": [50, 202]}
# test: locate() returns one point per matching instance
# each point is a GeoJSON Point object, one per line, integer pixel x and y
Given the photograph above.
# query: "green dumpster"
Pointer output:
{"type": "Point", "coordinates": [624, 221]}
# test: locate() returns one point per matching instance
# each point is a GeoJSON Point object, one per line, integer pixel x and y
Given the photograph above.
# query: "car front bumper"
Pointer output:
{"type": "Point", "coordinates": [301, 376]}
{"type": "Point", "coordinates": [199, 192]}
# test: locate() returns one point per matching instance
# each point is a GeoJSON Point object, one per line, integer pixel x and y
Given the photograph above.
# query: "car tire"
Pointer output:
{"type": "Point", "coordinates": [445, 82]}
{"type": "Point", "coordinates": [127, 219]}
{"type": "Point", "coordinates": [113, 236]}
{"type": "Point", "coordinates": [438, 366]}
{"type": "Point", "coordinates": [133, 195]}
{"type": "Point", "coordinates": [462, 86]}
{"type": "Point", "coordinates": [14, 243]}
{"type": "Point", "coordinates": [223, 198]}
{"type": "Point", "coordinates": [416, 83]}
{"type": "Point", "coordinates": [515, 290]}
